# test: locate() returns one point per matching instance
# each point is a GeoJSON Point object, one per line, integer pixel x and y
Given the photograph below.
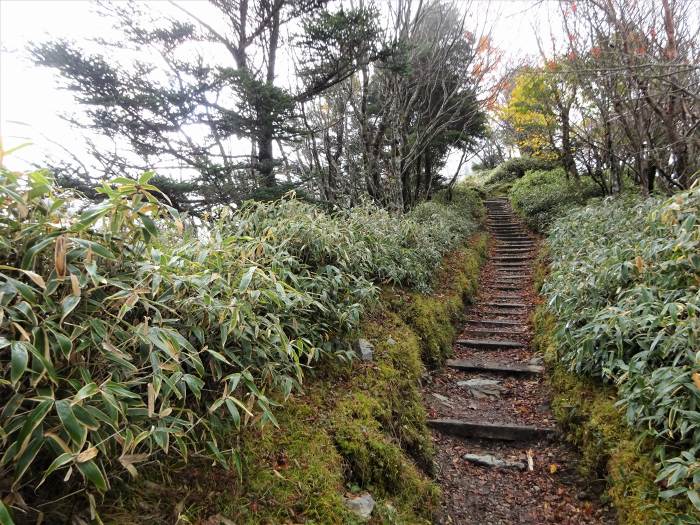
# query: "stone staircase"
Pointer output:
{"type": "Point", "coordinates": [499, 458]}
{"type": "Point", "coordinates": [501, 312]}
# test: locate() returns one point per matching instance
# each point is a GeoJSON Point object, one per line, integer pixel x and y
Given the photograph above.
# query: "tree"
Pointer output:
{"type": "Point", "coordinates": [203, 93]}
{"type": "Point", "coordinates": [538, 114]}
{"type": "Point", "coordinates": [636, 62]}
{"type": "Point", "coordinates": [528, 115]}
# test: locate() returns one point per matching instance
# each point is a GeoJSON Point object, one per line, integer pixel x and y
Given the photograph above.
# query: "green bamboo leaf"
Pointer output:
{"type": "Point", "coordinates": [68, 305]}
{"type": "Point", "coordinates": [245, 280]}
{"type": "Point", "coordinates": [233, 410]}
{"type": "Point", "coordinates": [218, 356]}
{"type": "Point", "coordinates": [76, 431]}
{"type": "Point", "coordinates": [149, 225]}
{"type": "Point", "coordinates": [19, 360]}
{"type": "Point", "coordinates": [31, 253]}
{"type": "Point", "coordinates": [25, 459]}
{"type": "Point", "coordinates": [89, 217]}
{"type": "Point", "coordinates": [92, 473]}
{"type": "Point", "coordinates": [5, 517]}
{"type": "Point", "coordinates": [85, 392]}
{"type": "Point", "coordinates": [32, 421]}
{"type": "Point", "coordinates": [65, 344]}
{"type": "Point", "coordinates": [57, 463]}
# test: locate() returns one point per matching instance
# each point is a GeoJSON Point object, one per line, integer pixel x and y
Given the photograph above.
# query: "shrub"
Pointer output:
{"type": "Point", "coordinates": [126, 334]}
{"type": "Point", "coordinates": [540, 196]}
{"type": "Point", "coordinates": [624, 290]}
{"type": "Point", "coordinates": [516, 168]}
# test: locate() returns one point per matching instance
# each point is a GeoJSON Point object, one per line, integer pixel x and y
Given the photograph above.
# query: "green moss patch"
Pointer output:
{"type": "Point", "coordinates": [434, 318]}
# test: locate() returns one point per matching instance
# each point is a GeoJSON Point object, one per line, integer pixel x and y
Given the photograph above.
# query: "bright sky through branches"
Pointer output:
{"type": "Point", "coordinates": [31, 104]}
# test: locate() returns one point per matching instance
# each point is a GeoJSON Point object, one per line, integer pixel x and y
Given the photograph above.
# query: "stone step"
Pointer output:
{"type": "Point", "coordinates": [514, 258]}
{"type": "Point", "coordinates": [508, 297]}
{"type": "Point", "coordinates": [498, 322]}
{"type": "Point", "coordinates": [495, 431]}
{"type": "Point", "coordinates": [505, 287]}
{"type": "Point", "coordinates": [508, 313]}
{"type": "Point", "coordinates": [505, 305]}
{"type": "Point", "coordinates": [468, 365]}
{"type": "Point", "coordinates": [489, 343]}
{"type": "Point", "coordinates": [496, 330]}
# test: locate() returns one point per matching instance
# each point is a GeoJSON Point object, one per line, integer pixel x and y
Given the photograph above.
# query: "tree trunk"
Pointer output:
{"type": "Point", "coordinates": [567, 153]}
{"type": "Point", "coordinates": [266, 162]}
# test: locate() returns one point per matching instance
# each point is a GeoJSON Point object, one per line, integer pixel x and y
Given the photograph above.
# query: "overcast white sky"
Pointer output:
{"type": "Point", "coordinates": [31, 102]}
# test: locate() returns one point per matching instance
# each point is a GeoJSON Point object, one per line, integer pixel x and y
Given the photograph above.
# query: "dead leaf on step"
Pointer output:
{"type": "Point", "coordinates": [553, 468]}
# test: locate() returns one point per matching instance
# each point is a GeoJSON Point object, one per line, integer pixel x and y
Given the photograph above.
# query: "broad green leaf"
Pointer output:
{"type": "Point", "coordinates": [85, 392]}
{"type": "Point", "coordinates": [57, 463]}
{"type": "Point", "coordinates": [245, 280]}
{"type": "Point", "coordinates": [68, 305]}
{"type": "Point", "coordinates": [76, 431]}
{"type": "Point", "coordinates": [93, 473]}
{"type": "Point", "coordinates": [19, 360]}
{"type": "Point", "coordinates": [5, 517]}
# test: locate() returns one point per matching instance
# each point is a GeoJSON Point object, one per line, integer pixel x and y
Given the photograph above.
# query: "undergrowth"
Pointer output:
{"type": "Point", "coordinates": [129, 335]}
{"type": "Point", "coordinates": [357, 427]}
{"type": "Point", "coordinates": [542, 195]}
{"type": "Point", "coordinates": [623, 292]}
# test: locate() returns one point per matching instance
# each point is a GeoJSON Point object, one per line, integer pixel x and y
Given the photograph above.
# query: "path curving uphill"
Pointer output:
{"type": "Point", "coordinates": [500, 459]}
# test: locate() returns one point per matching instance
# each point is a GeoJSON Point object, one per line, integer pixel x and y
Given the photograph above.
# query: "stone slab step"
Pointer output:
{"type": "Point", "coordinates": [514, 258]}
{"type": "Point", "coordinates": [505, 305]}
{"type": "Point", "coordinates": [500, 322]}
{"type": "Point", "coordinates": [468, 365]}
{"type": "Point", "coordinates": [495, 431]}
{"type": "Point", "coordinates": [489, 343]}
{"type": "Point", "coordinates": [496, 330]}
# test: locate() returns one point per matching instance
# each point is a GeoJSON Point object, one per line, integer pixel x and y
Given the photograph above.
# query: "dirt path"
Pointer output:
{"type": "Point", "coordinates": [502, 413]}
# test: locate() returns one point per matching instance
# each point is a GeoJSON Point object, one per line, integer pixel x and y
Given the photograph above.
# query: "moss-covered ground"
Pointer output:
{"type": "Point", "coordinates": [357, 427]}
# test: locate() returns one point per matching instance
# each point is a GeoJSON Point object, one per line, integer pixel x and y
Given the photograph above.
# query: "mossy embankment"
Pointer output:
{"type": "Point", "coordinates": [358, 426]}
{"type": "Point", "coordinates": [591, 419]}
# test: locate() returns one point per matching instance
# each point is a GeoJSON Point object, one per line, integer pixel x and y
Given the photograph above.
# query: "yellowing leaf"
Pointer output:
{"type": "Point", "coordinates": [553, 468]}
{"type": "Point", "coordinates": [59, 256]}
{"type": "Point", "coordinates": [36, 278]}
{"type": "Point", "coordinates": [75, 285]}
{"type": "Point", "coordinates": [86, 455]}
{"type": "Point", "coordinates": [696, 379]}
